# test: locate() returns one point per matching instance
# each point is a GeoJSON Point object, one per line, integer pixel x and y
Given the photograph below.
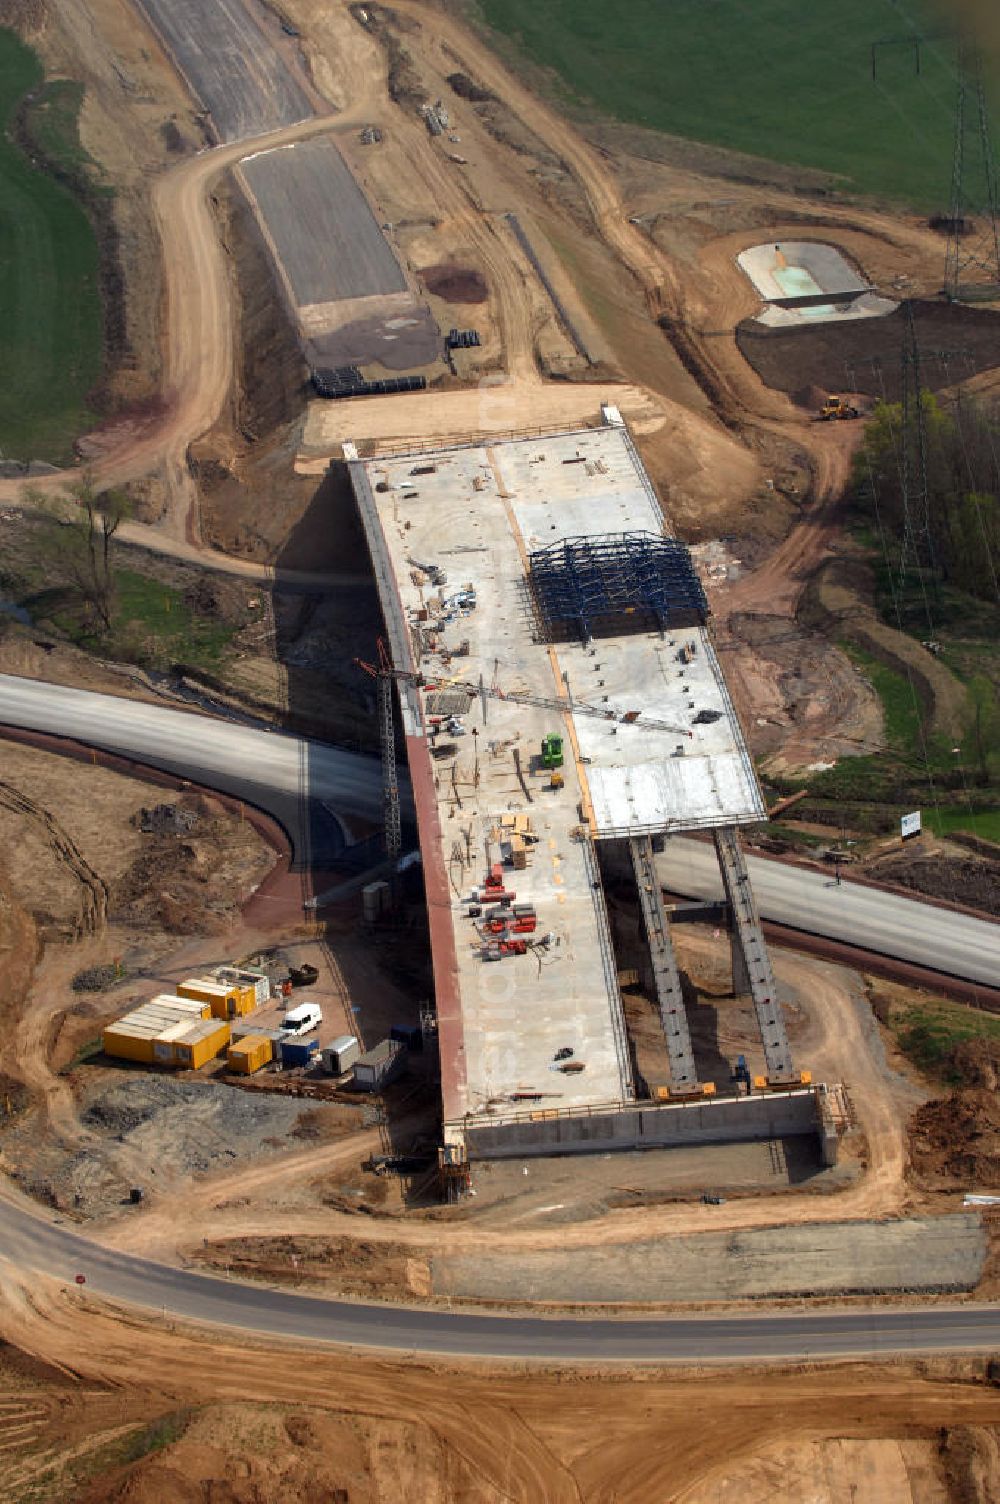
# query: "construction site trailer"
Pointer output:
{"type": "Point", "coordinates": [298, 1052]}
{"type": "Point", "coordinates": [186, 1007]}
{"type": "Point", "coordinates": [201, 1043]}
{"type": "Point", "coordinates": [241, 999]}
{"type": "Point", "coordinates": [126, 1041]}
{"type": "Point", "coordinates": [223, 998]}
{"type": "Point", "coordinates": [250, 1054]}
{"type": "Point", "coordinates": [164, 1045]}
{"type": "Point", "coordinates": [341, 1054]}
{"type": "Point", "coordinates": [378, 1067]}
{"type": "Point", "coordinates": [134, 1036]}
{"type": "Point", "coordinates": [246, 976]}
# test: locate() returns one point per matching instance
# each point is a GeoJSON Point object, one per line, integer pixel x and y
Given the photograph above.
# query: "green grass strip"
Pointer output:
{"type": "Point", "coordinates": [51, 333]}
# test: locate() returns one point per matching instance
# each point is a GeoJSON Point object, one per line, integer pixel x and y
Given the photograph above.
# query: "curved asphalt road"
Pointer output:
{"type": "Point", "coordinates": [284, 774]}
{"type": "Point", "coordinates": [32, 1243]}
{"type": "Point", "coordinates": [884, 922]}
{"type": "Point", "coordinates": [272, 770]}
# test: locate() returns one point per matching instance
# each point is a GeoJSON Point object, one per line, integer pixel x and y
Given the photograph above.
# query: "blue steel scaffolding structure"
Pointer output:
{"type": "Point", "coordinates": [603, 584]}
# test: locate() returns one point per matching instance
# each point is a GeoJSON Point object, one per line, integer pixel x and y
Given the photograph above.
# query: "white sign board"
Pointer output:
{"type": "Point", "coordinates": [909, 825]}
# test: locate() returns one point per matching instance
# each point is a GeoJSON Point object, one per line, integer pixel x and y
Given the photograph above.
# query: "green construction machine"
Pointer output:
{"type": "Point", "coordinates": [552, 751]}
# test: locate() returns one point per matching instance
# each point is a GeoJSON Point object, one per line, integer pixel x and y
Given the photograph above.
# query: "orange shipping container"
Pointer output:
{"type": "Point", "coordinates": [126, 1044]}
{"type": "Point", "coordinates": [244, 999]}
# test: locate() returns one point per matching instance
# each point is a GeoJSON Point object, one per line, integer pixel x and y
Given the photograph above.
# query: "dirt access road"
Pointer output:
{"type": "Point", "coordinates": [839, 1047]}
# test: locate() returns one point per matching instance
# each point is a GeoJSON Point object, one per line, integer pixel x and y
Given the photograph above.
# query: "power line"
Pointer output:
{"type": "Point", "coordinates": [972, 259]}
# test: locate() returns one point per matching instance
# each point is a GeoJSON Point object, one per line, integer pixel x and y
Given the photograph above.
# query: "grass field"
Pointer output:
{"type": "Point", "coordinates": [154, 625]}
{"type": "Point", "coordinates": [984, 823]}
{"type": "Point", "coordinates": [51, 334]}
{"type": "Point", "coordinates": [776, 78]}
{"type": "Point", "coordinates": [928, 1031]}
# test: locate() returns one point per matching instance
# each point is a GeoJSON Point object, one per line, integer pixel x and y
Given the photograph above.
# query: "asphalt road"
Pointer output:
{"type": "Point", "coordinates": [811, 901]}
{"type": "Point", "coordinates": [31, 1243]}
{"type": "Point", "coordinates": [284, 775]}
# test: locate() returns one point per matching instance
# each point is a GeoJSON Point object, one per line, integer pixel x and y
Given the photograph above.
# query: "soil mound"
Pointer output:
{"type": "Point", "coordinates": [956, 879]}
{"type": "Point", "coordinates": [456, 284]}
{"type": "Point", "coordinates": [958, 1136]}
{"type": "Point", "coordinates": [810, 397]}
{"type": "Point", "coordinates": [464, 87]}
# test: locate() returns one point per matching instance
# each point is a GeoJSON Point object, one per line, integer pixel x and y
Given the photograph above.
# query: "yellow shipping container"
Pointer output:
{"type": "Point", "coordinates": [165, 1044]}
{"type": "Point", "coordinates": [201, 1044]}
{"type": "Point", "coordinates": [222, 997]}
{"type": "Point", "coordinates": [250, 1054]}
{"type": "Point", "coordinates": [246, 999]}
{"type": "Point", "coordinates": [182, 1006]}
{"type": "Point", "coordinates": [126, 1044]}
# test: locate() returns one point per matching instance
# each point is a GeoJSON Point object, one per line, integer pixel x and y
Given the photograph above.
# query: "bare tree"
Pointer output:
{"type": "Point", "coordinates": [78, 552]}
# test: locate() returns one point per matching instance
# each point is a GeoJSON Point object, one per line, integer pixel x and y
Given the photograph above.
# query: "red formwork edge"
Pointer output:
{"type": "Point", "coordinates": [444, 956]}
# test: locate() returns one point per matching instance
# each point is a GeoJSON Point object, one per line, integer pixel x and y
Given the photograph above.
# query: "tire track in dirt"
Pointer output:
{"type": "Point", "coordinates": [94, 890]}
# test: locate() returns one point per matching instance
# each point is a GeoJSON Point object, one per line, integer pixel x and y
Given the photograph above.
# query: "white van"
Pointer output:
{"type": "Point", "coordinates": [302, 1020]}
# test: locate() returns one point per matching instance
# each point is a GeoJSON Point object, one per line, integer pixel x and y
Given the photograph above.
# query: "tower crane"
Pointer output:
{"type": "Point", "coordinates": [384, 673]}
{"type": "Point", "coordinates": [386, 670]}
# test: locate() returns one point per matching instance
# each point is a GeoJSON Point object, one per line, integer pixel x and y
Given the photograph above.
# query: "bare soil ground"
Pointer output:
{"type": "Point", "coordinates": [955, 1140]}
{"type": "Point", "coordinates": [139, 1413]}
{"type": "Point", "coordinates": [865, 355]}
{"type": "Point", "coordinates": [76, 855]}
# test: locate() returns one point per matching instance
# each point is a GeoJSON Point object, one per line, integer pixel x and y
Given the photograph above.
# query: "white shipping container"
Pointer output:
{"type": "Point", "coordinates": [247, 976]}
{"type": "Point", "coordinates": [340, 1054]}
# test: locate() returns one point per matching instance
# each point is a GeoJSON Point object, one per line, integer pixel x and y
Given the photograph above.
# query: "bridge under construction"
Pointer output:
{"type": "Point", "coordinates": [564, 712]}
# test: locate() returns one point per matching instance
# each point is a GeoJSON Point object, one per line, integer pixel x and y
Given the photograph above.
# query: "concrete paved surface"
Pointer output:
{"type": "Point", "coordinates": [940, 1254]}
{"type": "Point", "coordinates": [31, 1243]}
{"type": "Point", "coordinates": [884, 922]}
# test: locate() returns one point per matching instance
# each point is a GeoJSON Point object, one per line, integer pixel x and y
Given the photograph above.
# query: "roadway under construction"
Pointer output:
{"type": "Point", "coordinates": [562, 707]}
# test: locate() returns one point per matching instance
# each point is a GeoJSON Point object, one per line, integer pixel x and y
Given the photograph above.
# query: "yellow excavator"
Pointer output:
{"type": "Point", "coordinates": [836, 409]}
